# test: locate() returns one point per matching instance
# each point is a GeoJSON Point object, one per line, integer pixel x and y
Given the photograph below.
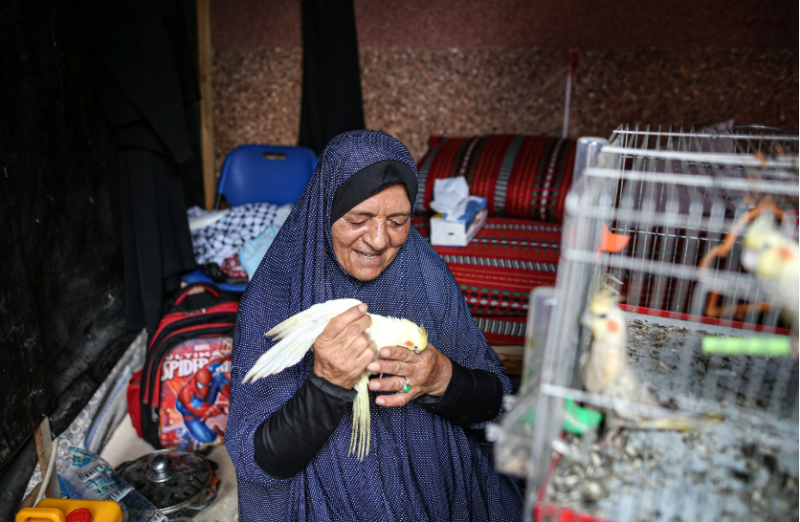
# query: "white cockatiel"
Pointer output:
{"type": "Point", "coordinates": [772, 257]}
{"type": "Point", "coordinates": [608, 372]}
{"type": "Point", "coordinates": [297, 334]}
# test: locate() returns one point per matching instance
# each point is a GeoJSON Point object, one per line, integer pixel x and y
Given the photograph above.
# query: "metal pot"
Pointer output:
{"type": "Point", "coordinates": [177, 482]}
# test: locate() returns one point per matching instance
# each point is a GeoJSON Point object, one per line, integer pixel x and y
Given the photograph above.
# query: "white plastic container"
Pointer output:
{"type": "Point", "coordinates": [541, 302]}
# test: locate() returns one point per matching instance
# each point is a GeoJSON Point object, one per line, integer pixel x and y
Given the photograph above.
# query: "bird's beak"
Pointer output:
{"type": "Point", "coordinates": [749, 259]}
{"type": "Point", "coordinates": [586, 319]}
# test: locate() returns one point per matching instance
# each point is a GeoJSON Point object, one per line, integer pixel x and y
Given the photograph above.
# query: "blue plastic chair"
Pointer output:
{"type": "Point", "coordinates": [265, 173]}
{"type": "Point", "coordinates": [260, 173]}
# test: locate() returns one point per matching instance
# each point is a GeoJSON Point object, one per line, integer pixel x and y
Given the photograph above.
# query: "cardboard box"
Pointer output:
{"type": "Point", "coordinates": [458, 232]}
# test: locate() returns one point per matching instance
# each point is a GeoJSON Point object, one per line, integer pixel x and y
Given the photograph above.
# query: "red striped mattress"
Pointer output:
{"type": "Point", "coordinates": [507, 259]}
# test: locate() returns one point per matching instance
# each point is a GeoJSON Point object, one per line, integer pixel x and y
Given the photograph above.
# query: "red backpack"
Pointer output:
{"type": "Point", "coordinates": [180, 398]}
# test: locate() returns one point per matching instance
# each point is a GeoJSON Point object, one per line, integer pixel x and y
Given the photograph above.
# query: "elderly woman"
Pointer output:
{"type": "Point", "coordinates": [350, 235]}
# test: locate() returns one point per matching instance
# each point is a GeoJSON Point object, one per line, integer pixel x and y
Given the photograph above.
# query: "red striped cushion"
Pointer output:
{"type": "Point", "coordinates": [520, 176]}
{"type": "Point", "coordinates": [502, 331]}
{"type": "Point", "coordinates": [496, 272]}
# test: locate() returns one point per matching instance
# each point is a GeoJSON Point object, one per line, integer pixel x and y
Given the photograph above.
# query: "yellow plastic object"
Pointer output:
{"type": "Point", "coordinates": [38, 514]}
{"type": "Point", "coordinates": [57, 509]}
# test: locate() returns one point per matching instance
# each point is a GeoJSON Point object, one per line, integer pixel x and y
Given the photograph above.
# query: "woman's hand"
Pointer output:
{"type": "Point", "coordinates": [428, 372]}
{"type": "Point", "coordinates": [342, 351]}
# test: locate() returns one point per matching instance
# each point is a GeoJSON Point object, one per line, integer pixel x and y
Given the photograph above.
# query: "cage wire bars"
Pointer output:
{"type": "Point", "coordinates": [680, 200]}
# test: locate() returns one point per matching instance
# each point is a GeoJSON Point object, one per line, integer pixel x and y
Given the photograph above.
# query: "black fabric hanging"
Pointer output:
{"type": "Point", "coordinates": [331, 96]}
{"type": "Point", "coordinates": [145, 81]}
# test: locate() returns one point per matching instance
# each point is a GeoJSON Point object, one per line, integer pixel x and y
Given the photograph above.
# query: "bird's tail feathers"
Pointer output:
{"type": "Point", "coordinates": [360, 435]}
{"type": "Point", "coordinates": [681, 422]}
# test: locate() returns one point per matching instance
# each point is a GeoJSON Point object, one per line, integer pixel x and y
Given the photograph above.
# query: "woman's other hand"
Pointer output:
{"type": "Point", "coordinates": [342, 351]}
{"type": "Point", "coordinates": [428, 372]}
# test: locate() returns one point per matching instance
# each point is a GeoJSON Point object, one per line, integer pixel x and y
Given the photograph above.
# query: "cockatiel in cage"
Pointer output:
{"type": "Point", "coordinates": [773, 258]}
{"type": "Point", "coordinates": [297, 334]}
{"type": "Point", "coordinates": [607, 372]}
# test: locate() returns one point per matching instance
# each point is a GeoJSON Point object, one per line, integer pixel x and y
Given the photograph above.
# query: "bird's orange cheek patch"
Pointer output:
{"type": "Point", "coordinates": [613, 326]}
{"type": "Point", "coordinates": [409, 344]}
{"type": "Point", "coordinates": [785, 254]}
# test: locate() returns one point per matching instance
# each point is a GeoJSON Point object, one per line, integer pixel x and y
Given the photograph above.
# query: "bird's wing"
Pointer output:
{"type": "Point", "coordinates": [319, 313]}
{"type": "Point", "coordinates": [296, 335]}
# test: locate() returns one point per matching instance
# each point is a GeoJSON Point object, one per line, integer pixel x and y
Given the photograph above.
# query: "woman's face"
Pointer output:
{"type": "Point", "coordinates": [367, 238]}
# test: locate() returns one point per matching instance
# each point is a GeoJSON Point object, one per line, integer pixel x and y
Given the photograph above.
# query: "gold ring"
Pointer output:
{"type": "Point", "coordinates": [408, 385]}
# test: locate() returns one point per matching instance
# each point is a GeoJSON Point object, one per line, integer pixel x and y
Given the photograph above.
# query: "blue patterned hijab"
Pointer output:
{"type": "Point", "coordinates": [419, 466]}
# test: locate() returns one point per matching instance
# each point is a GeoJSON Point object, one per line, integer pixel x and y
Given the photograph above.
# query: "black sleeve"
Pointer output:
{"type": "Point", "coordinates": [289, 438]}
{"type": "Point", "coordinates": [472, 396]}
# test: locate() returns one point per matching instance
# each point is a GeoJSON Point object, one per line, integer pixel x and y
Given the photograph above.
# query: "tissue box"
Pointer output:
{"type": "Point", "coordinates": [458, 232]}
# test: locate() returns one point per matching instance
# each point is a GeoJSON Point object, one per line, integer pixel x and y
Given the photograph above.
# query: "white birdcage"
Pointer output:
{"type": "Point", "coordinates": [658, 216]}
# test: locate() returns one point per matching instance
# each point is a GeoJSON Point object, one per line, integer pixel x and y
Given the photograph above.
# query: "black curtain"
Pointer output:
{"type": "Point", "coordinates": [143, 67]}
{"type": "Point", "coordinates": [331, 97]}
{"type": "Point", "coordinates": [95, 152]}
{"type": "Point", "coordinates": [62, 324]}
